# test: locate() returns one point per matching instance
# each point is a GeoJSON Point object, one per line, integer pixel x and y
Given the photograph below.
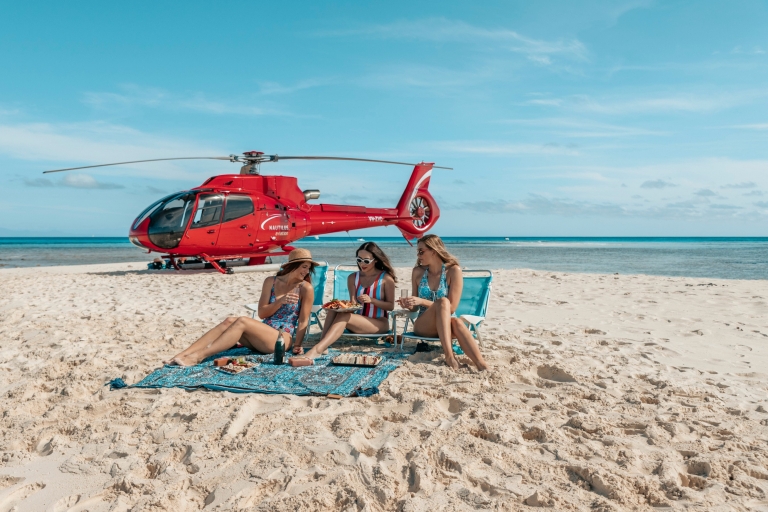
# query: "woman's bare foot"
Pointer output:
{"type": "Point", "coordinates": [187, 360]}
{"type": "Point", "coordinates": [452, 363]}
{"type": "Point", "coordinates": [311, 354]}
{"type": "Point", "coordinates": [482, 367]}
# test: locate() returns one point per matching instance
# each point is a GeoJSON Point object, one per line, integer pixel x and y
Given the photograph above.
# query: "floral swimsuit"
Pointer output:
{"type": "Point", "coordinates": [286, 317]}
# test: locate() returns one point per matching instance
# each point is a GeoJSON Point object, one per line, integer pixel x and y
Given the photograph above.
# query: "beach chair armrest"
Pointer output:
{"type": "Point", "coordinates": [473, 319]}
{"type": "Point", "coordinates": [253, 308]}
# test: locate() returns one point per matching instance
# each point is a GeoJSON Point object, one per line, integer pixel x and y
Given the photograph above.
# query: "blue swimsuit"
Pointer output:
{"type": "Point", "coordinates": [425, 292]}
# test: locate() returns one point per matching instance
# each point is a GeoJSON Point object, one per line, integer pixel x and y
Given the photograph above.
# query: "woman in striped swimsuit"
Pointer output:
{"type": "Point", "coordinates": [373, 287]}
{"type": "Point", "coordinates": [437, 282]}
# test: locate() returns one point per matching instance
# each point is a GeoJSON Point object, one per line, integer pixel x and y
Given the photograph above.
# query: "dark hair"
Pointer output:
{"type": "Point", "coordinates": [289, 267]}
{"type": "Point", "coordinates": [382, 262]}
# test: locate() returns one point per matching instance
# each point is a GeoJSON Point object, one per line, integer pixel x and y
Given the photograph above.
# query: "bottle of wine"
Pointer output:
{"type": "Point", "coordinates": [279, 348]}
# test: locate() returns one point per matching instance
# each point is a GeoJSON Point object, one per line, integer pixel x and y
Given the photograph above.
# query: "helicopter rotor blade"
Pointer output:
{"type": "Point", "coordinates": [141, 161]}
{"type": "Point", "coordinates": [278, 158]}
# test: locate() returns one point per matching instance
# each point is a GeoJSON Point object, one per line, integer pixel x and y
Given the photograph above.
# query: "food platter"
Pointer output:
{"type": "Point", "coordinates": [359, 360]}
{"type": "Point", "coordinates": [342, 306]}
{"type": "Point", "coordinates": [233, 365]}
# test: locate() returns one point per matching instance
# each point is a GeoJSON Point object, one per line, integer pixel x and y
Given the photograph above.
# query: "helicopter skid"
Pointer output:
{"type": "Point", "coordinates": [253, 259]}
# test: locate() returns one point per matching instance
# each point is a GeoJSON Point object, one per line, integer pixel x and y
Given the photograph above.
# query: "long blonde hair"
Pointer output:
{"type": "Point", "coordinates": [436, 244]}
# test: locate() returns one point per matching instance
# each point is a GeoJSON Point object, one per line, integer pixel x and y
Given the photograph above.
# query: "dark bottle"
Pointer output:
{"type": "Point", "coordinates": [279, 348]}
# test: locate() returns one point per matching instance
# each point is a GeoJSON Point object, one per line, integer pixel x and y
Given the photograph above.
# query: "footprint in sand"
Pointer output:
{"type": "Point", "coordinates": [554, 373]}
{"type": "Point", "coordinates": [11, 502]}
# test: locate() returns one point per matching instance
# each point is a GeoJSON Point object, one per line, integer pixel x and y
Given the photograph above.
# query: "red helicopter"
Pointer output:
{"type": "Point", "coordinates": [247, 215]}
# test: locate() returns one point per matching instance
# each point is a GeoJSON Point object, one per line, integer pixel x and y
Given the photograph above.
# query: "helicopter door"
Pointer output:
{"type": "Point", "coordinates": [239, 227]}
{"type": "Point", "coordinates": [204, 230]}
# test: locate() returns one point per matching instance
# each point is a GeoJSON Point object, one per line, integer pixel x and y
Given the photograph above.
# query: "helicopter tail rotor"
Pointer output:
{"type": "Point", "coordinates": [417, 208]}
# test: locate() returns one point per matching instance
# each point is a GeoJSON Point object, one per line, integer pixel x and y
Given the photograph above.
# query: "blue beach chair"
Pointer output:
{"type": "Point", "coordinates": [319, 277]}
{"type": "Point", "coordinates": [341, 291]}
{"type": "Point", "coordinates": [473, 304]}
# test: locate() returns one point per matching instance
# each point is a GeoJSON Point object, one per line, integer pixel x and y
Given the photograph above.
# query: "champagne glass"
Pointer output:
{"type": "Point", "coordinates": [404, 294]}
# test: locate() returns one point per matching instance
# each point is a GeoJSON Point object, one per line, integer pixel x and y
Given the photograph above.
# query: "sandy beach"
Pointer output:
{"type": "Point", "coordinates": [607, 392]}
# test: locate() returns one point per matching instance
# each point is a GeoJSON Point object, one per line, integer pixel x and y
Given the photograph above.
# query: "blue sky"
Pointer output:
{"type": "Point", "coordinates": [633, 118]}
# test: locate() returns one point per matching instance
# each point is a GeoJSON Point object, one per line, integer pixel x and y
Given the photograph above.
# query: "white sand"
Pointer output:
{"type": "Point", "coordinates": [608, 393]}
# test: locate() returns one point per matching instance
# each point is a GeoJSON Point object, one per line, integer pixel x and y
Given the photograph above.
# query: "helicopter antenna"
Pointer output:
{"type": "Point", "coordinates": [251, 161]}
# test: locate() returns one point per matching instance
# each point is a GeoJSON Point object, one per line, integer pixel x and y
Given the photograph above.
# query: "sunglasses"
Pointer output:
{"type": "Point", "coordinates": [365, 261]}
{"type": "Point", "coordinates": [420, 252]}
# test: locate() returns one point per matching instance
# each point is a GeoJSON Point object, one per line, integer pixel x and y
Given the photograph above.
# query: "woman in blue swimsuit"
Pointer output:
{"type": "Point", "coordinates": [437, 282]}
{"type": "Point", "coordinates": [285, 305]}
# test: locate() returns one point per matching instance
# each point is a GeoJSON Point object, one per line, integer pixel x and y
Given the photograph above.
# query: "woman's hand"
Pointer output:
{"type": "Point", "coordinates": [363, 299]}
{"type": "Point", "coordinates": [409, 302]}
{"type": "Point", "coordinates": [290, 298]}
{"type": "Point", "coordinates": [298, 350]}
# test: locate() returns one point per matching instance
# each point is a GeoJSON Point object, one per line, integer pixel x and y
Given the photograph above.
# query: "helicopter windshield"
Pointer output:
{"type": "Point", "coordinates": [169, 220]}
{"type": "Point", "coordinates": [146, 213]}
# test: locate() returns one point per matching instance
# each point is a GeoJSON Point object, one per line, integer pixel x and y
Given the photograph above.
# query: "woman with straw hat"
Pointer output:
{"type": "Point", "coordinates": [285, 305]}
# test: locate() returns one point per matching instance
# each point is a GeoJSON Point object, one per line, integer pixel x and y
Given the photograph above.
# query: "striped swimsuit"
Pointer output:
{"type": "Point", "coordinates": [375, 291]}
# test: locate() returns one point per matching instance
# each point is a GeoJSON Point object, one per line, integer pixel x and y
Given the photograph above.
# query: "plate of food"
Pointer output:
{"type": "Point", "coordinates": [233, 365]}
{"type": "Point", "coordinates": [356, 360]}
{"type": "Point", "coordinates": [342, 306]}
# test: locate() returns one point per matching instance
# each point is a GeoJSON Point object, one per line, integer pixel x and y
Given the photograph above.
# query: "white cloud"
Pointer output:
{"type": "Point", "coordinates": [501, 148]}
{"type": "Point", "coordinates": [577, 128]}
{"type": "Point", "coordinates": [756, 126]}
{"type": "Point", "coordinates": [746, 184]}
{"type": "Point", "coordinates": [134, 95]}
{"type": "Point", "coordinates": [688, 102]}
{"type": "Point", "coordinates": [71, 145]}
{"type": "Point", "coordinates": [268, 88]}
{"type": "Point", "coordinates": [536, 204]}
{"type": "Point", "coordinates": [755, 50]}
{"type": "Point", "coordinates": [444, 30]}
{"type": "Point", "coordinates": [73, 181]}
{"type": "Point", "coordinates": [657, 184]}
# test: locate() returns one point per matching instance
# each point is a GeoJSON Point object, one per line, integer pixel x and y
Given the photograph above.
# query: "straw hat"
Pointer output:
{"type": "Point", "coordinates": [300, 255]}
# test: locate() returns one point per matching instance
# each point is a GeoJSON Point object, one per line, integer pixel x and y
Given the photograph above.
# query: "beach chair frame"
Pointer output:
{"type": "Point", "coordinates": [319, 278]}
{"type": "Point", "coordinates": [474, 319]}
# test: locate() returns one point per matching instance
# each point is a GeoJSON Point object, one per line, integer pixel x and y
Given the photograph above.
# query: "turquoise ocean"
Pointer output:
{"type": "Point", "coordinates": [726, 258]}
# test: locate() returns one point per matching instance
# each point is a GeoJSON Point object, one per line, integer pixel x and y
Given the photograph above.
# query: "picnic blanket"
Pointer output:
{"type": "Point", "coordinates": [322, 378]}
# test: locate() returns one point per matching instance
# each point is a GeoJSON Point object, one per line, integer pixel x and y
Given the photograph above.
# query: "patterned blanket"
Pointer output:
{"type": "Point", "coordinates": [321, 379]}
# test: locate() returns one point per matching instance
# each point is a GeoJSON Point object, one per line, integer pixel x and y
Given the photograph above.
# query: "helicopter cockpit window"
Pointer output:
{"type": "Point", "coordinates": [146, 213]}
{"type": "Point", "coordinates": [237, 206]}
{"type": "Point", "coordinates": [208, 211]}
{"type": "Point", "coordinates": [169, 220]}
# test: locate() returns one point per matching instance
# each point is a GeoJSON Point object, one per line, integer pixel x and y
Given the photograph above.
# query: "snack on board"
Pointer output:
{"type": "Point", "coordinates": [236, 365]}
{"type": "Point", "coordinates": [341, 304]}
{"type": "Point", "coordinates": [357, 360]}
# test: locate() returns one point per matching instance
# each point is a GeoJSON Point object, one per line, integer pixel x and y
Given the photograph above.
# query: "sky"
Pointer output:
{"type": "Point", "coordinates": [560, 118]}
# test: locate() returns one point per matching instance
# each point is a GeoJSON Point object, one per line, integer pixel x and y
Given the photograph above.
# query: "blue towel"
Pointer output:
{"type": "Point", "coordinates": [322, 378]}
